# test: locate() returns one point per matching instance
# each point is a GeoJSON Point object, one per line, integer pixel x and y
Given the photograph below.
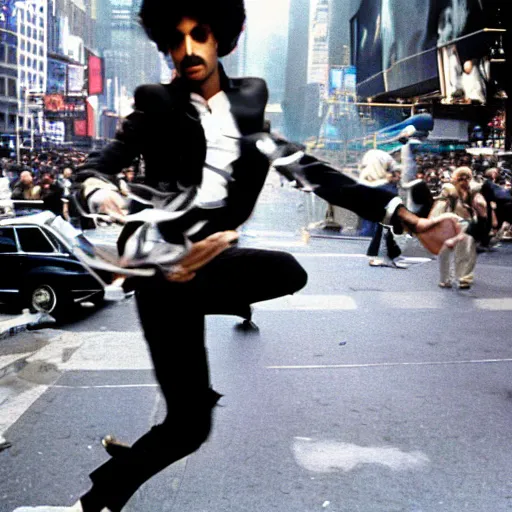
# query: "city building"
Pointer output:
{"type": "Point", "coordinates": [23, 49]}
{"type": "Point", "coordinates": [318, 55]}
{"type": "Point", "coordinates": [131, 60]}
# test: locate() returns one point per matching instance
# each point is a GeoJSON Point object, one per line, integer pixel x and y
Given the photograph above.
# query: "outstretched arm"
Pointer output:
{"type": "Point", "coordinates": [339, 189]}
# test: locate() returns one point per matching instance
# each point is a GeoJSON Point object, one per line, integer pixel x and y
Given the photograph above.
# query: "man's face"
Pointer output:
{"type": "Point", "coordinates": [193, 49]}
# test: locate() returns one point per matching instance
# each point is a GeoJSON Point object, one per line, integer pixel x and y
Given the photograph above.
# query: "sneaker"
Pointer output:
{"type": "Point", "coordinates": [464, 286]}
{"type": "Point", "coordinates": [446, 284]}
{"type": "Point", "coordinates": [377, 262]}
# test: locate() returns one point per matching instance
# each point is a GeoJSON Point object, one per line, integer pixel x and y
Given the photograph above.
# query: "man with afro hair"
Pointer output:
{"type": "Point", "coordinates": [203, 131]}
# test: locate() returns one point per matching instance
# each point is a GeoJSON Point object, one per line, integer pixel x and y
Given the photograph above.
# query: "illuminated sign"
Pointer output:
{"type": "Point", "coordinates": [58, 105]}
{"type": "Point", "coordinates": [94, 75]}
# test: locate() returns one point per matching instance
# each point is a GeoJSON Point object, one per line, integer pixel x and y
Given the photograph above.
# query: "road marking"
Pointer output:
{"type": "Point", "coordinates": [16, 406]}
{"type": "Point", "coordinates": [110, 351]}
{"type": "Point", "coordinates": [308, 302]}
{"type": "Point", "coordinates": [328, 255]}
{"type": "Point", "coordinates": [109, 386]}
{"type": "Point", "coordinates": [384, 365]}
{"type": "Point", "coordinates": [504, 304]}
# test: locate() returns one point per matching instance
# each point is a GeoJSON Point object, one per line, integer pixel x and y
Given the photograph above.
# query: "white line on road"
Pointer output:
{"type": "Point", "coordinates": [308, 302]}
{"type": "Point", "coordinates": [327, 255]}
{"type": "Point", "coordinates": [382, 365]}
{"type": "Point", "coordinates": [108, 386]}
{"type": "Point", "coordinates": [503, 304]}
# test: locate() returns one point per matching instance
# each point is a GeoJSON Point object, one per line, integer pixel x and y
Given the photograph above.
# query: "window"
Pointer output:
{"type": "Point", "coordinates": [2, 86]}
{"type": "Point", "coordinates": [29, 32]}
{"type": "Point", "coordinates": [57, 243]}
{"type": "Point", "coordinates": [11, 55]}
{"type": "Point", "coordinates": [2, 52]}
{"type": "Point", "coordinates": [11, 88]}
{"type": "Point", "coordinates": [7, 240]}
{"type": "Point", "coordinates": [23, 44]}
{"type": "Point", "coordinates": [33, 240]}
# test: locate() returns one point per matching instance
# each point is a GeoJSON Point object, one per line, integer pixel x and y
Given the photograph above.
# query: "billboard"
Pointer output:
{"type": "Point", "coordinates": [76, 78]}
{"type": "Point", "coordinates": [367, 48]}
{"type": "Point", "coordinates": [80, 127]}
{"type": "Point", "coordinates": [412, 47]}
{"type": "Point", "coordinates": [56, 80]}
{"type": "Point", "coordinates": [54, 131]}
{"type": "Point", "coordinates": [60, 106]}
{"type": "Point", "coordinates": [342, 80]}
{"type": "Point", "coordinates": [95, 75]}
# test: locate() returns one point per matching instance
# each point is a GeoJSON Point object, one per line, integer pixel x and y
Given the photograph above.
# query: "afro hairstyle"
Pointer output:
{"type": "Point", "coordinates": [225, 17]}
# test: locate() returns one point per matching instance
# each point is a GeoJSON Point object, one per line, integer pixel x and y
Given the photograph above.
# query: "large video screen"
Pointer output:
{"type": "Point", "coordinates": [400, 46]}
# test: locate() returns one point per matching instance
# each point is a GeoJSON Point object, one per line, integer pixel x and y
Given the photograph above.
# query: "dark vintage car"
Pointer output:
{"type": "Point", "coordinates": [38, 269]}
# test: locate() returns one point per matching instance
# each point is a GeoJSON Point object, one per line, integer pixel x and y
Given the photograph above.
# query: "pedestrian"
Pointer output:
{"type": "Point", "coordinates": [379, 169]}
{"type": "Point", "coordinates": [203, 130]}
{"type": "Point", "coordinates": [25, 188]}
{"type": "Point", "coordinates": [66, 181]}
{"type": "Point", "coordinates": [470, 206]}
{"type": "Point", "coordinates": [52, 193]}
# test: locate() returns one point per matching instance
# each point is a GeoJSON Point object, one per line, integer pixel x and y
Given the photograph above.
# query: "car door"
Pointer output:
{"type": "Point", "coordinates": [10, 264]}
{"type": "Point", "coordinates": [41, 259]}
{"type": "Point", "coordinates": [36, 251]}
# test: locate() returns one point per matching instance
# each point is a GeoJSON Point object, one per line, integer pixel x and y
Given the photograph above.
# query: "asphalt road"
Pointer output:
{"type": "Point", "coordinates": [371, 390]}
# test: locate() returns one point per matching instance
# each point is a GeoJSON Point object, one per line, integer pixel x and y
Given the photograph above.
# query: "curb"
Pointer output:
{"type": "Point", "coordinates": [21, 323]}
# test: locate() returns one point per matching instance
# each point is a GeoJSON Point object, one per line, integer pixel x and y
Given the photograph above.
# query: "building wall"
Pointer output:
{"type": "Point", "coordinates": [296, 68]}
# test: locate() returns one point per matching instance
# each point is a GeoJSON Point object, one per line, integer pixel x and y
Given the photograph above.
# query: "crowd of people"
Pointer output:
{"type": "Point", "coordinates": [475, 188]}
{"type": "Point", "coordinates": [47, 177]}
{"type": "Point", "coordinates": [437, 168]}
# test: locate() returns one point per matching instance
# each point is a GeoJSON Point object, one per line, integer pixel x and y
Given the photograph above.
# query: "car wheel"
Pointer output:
{"type": "Point", "coordinates": [45, 298]}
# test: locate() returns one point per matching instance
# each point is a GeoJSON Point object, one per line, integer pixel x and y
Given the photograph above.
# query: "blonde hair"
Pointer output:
{"type": "Point", "coordinates": [462, 171]}
{"type": "Point", "coordinates": [448, 190]}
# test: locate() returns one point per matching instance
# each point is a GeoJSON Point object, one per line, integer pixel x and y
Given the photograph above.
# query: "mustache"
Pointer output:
{"type": "Point", "coordinates": [190, 61]}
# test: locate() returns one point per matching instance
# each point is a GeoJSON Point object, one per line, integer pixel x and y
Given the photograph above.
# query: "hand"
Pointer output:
{"type": "Point", "coordinates": [108, 202]}
{"type": "Point", "coordinates": [434, 233]}
{"type": "Point", "coordinates": [200, 254]}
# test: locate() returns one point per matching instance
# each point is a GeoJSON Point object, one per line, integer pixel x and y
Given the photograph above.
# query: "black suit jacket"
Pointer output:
{"type": "Point", "coordinates": [165, 129]}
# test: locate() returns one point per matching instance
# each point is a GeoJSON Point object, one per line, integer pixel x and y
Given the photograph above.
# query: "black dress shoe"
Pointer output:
{"type": "Point", "coordinates": [114, 447]}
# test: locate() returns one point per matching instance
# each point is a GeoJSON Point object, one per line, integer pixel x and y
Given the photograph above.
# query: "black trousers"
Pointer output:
{"type": "Point", "coordinates": [173, 319]}
{"type": "Point", "coordinates": [392, 249]}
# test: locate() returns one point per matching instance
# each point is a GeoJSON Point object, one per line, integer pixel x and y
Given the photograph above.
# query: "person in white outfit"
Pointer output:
{"type": "Point", "coordinates": [465, 201]}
